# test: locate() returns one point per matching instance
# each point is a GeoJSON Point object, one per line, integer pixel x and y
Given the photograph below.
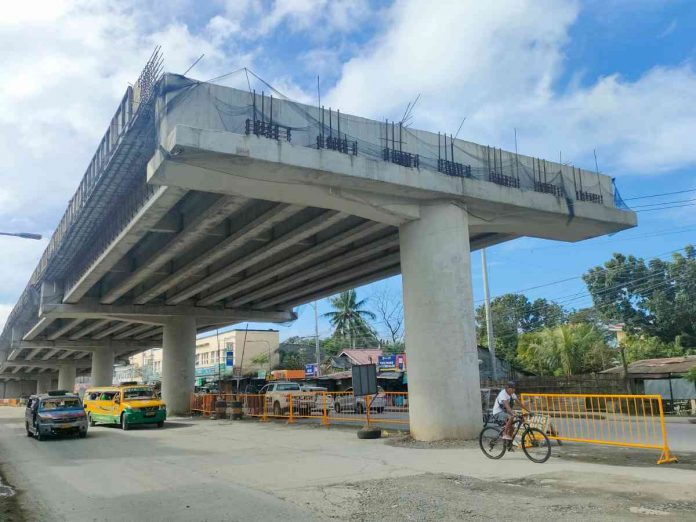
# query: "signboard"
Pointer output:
{"type": "Point", "coordinates": [237, 372]}
{"type": "Point", "coordinates": [310, 370]}
{"type": "Point", "coordinates": [208, 371]}
{"type": "Point", "coordinates": [387, 362]}
{"type": "Point", "coordinates": [364, 379]}
{"type": "Point", "coordinates": [401, 362]}
{"type": "Point", "coordinates": [616, 327]}
{"type": "Point", "coordinates": [229, 358]}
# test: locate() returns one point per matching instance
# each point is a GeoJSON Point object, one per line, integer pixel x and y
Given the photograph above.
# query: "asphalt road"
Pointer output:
{"type": "Point", "coordinates": [143, 474]}
{"type": "Point", "coordinates": [203, 470]}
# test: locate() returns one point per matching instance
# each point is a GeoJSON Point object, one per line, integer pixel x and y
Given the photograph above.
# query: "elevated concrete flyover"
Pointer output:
{"type": "Point", "coordinates": [249, 206]}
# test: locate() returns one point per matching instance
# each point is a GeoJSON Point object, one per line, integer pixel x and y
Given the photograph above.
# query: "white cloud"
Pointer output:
{"type": "Point", "coordinates": [70, 64]}
{"type": "Point", "coordinates": [320, 17]}
{"type": "Point", "coordinates": [497, 63]}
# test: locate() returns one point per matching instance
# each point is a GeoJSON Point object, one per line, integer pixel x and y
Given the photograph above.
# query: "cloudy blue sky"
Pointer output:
{"type": "Point", "coordinates": [571, 76]}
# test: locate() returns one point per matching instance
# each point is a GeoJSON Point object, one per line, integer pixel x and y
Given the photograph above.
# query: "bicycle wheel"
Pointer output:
{"type": "Point", "coordinates": [536, 445]}
{"type": "Point", "coordinates": [491, 442]}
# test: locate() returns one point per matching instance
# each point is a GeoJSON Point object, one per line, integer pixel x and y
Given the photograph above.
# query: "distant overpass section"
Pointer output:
{"type": "Point", "coordinates": [207, 206]}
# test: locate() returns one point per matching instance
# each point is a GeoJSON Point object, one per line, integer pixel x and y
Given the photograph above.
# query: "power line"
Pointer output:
{"type": "Point", "coordinates": [666, 208]}
{"type": "Point", "coordinates": [658, 256]}
{"type": "Point", "coordinates": [665, 203]}
{"type": "Point", "coordinates": [659, 195]}
{"type": "Point", "coordinates": [657, 233]}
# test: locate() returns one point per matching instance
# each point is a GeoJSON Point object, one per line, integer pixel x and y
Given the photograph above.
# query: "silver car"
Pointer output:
{"type": "Point", "coordinates": [348, 402]}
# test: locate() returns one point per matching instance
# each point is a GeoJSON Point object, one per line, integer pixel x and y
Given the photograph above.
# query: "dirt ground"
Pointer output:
{"type": "Point", "coordinates": [9, 504]}
{"type": "Point", "coordinates": [452, 497]}
{"type": "Point", "coordinates": [609, 455]}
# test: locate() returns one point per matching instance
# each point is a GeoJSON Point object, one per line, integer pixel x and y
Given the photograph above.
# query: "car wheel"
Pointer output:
{"type": "Point", "coordinates": [124, 423]}
{"type": "Point", "coordinates": [359, 408]}
{"type": "Point", "coordinates": [29, 433]}
{"type": "Point", "coordinates": [91, 421]}
{"type": "Point", "coordinates": [379, 410]}
{"type": "Point", "coordinates": [337, 407]}
{"type": "Point", "coordinates": [276, 409]}
{"type": "Point", "coordinates": [39, 435]}
{"type": "Point", "coordinates": [160, 424]}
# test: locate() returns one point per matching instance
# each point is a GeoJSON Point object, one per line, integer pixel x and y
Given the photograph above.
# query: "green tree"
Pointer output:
{"type": "Point", "coordinates": [655, 298]}
{"type": "Point", "coordinates": [568, 349]}
{"type": "Point", "coordinates": [691, 374]}
{"type": "Point", "coordinates": [514, 314]}
{"type": "Point", "coordinates": [350, 319]}
{"type": "Point", "coordinates": [292, 360]}
{"type": "Point", "coordinates": [637, 347]}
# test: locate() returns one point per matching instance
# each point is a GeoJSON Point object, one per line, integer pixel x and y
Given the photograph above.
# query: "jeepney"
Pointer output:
{"type": "Point", "coordinates": [126, 405]}
{"type": "Point", "coordinates": [55, 413]}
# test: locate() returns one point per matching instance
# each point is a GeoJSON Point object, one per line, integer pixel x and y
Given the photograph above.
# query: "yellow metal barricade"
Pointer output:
{"type": "Point", "coordinates": [385, 408]}
{"type": "Point", "coordinates": [633, 421]}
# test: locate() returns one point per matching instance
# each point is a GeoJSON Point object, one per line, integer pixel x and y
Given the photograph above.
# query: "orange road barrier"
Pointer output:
{"type": "Point", "coordinates": [632, 421]}
{"type": "Point", "coordinates": [385, 408]}
{"type": "Point", "coordinates": [9, 402]}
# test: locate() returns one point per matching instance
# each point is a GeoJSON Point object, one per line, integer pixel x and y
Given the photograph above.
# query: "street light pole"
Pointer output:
{"type": "Point", "coordinates": [23, 235]}
{"type": "Point", "coordinates": [489, 316]}
{"type": "Point", "coordinates": [316, 339]}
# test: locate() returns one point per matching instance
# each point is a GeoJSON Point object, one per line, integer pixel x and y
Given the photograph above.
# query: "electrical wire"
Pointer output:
{"type": "Point", "coordinates": [659, 195]}
{"type": "Point", "coordinates": [658, 256]}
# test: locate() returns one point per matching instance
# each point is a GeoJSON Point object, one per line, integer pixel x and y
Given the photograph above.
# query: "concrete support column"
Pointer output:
{"type": "Point", "coordinates": [178, 364]}
{"type": "Point", "coordinates": [66, 378]}
{"type": "Point", "coordinates": [443, 373]}
{"type": "Point", "coordinates": [43, 382]}
{"type": "Point", "coordinates": [103, 366]}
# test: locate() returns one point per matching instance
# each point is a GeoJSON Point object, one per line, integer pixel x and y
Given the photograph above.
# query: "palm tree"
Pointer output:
{"type": "Point", "coordinates": [569, 349]}
{"type": "Point", "coordinates": [349, 318]}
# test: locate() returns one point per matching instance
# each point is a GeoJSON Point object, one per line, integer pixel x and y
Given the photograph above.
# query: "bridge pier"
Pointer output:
{"type": "Point", "coordinates": [43, 382]}
{"type": "Point", "coordinates": [178, 364]}
{"type": "Point", "coordinates": [103, 366]}
{"type": "Point", "coordinates": [66, 377]}
{"type": "Point", "coordinates": [443, 374]}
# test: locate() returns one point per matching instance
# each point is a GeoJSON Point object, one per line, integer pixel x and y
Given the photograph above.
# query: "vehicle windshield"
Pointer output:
{"type": "Point", "coordinates": [288, 387]}
{"type": "Point", "coordinates": [138, 393]}
{"type": "Point", "coordinates": [60, 403]}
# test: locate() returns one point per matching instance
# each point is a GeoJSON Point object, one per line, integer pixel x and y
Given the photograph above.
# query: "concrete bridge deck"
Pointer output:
{"type": "Point", "coordinates": [225, 221]}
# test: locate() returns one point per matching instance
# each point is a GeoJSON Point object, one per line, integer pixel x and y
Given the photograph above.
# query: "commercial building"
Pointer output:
{"type": "Point", "coordinates": [218, 356]}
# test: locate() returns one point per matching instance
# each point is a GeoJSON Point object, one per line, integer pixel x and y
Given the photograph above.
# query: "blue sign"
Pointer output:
{"type": "Point", "coordinates": [387, 362]}
{"type": "Point", "coordinates": [229, 358]}
{"type": "Point", "coordinates": [310, 370]}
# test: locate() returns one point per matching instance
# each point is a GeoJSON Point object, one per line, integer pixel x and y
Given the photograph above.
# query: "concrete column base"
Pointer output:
{"type": "Point", "coordinates": [66, 378]}
{"type": "Point", "coordinates": [103, 366]}
{"type": "Point", "coordinates": [178, 364]}
{"type": "Point", "coordinates": [43, 383]}
{"type": "Point", "coordinates": [443, 373]}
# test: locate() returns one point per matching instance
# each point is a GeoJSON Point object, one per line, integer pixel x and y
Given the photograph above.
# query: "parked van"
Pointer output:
{"type": "Point", "coordinates": [127, 404]}
{"type": "Point", "coordinates": [55, 413]}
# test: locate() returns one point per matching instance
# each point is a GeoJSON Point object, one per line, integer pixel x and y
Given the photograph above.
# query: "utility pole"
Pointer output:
{"type": "Point", "coordinates": [317, 351]}
{"type": "Point", "coordinates": [489, 316]}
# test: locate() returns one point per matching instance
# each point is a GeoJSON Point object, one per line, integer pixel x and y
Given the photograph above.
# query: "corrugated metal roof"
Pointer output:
{"type": "Point", "coordinates": [665, 365]}
{"type": "Point", "coordinates": [362, 356]}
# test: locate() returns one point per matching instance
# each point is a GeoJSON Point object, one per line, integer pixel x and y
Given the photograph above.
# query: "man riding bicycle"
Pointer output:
{"type": "Point", "coordinates": [502, 409]}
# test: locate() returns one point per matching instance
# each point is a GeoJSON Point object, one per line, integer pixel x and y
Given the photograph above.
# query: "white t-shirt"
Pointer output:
{"type": "Point", "coordinates": [502, 397]}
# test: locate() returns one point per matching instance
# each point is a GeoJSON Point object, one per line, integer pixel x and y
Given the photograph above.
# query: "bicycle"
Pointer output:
{"type": "Point", "coordinates": [534, 442]}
